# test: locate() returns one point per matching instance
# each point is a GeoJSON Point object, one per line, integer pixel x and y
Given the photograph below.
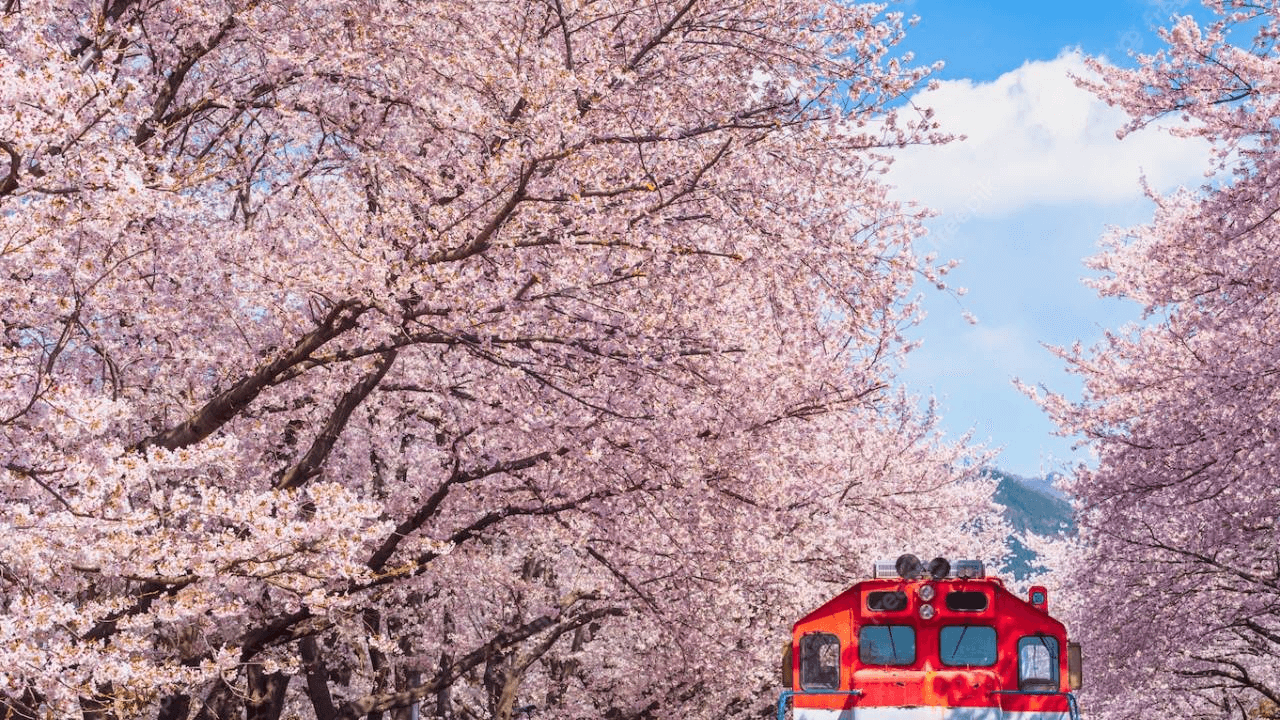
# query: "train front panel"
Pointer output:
{"type": "Point", "coordinates": [956, 647]}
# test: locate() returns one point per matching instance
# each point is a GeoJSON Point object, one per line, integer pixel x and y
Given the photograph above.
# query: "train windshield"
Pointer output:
{"type": "Point", "coordinates": [967, 645]}
{"type": "Point", "coordinates": [887, 645]}
{"type": "Point", "coordinates": [1038, 663]}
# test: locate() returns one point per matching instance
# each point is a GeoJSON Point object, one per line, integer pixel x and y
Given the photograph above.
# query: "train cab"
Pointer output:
{"type": "Point", "coordinates": [935, 642]}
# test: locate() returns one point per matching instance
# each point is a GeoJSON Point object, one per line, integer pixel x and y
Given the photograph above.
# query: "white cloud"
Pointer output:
{"type": "Point", "coordinates": [1034, 138]}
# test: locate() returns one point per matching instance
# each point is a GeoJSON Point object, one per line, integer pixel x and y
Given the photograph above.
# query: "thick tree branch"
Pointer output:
{"type": "Point", "coordinates": [504, 640]}
{"type": "Point", "coordinates": [311, 463]}
{"type": "Point", "coordinates": [255, 640]}
{"type": "Point", "coordinates": [175, 78]}
{"type": "Point", "coordinates": [10, 182]}
{"type": "Point", "coordinates": [284, 627]}
{"type": "Point", "coordinates": [1240, 677]}
{"type": "Point", "coordinates": [459, 477]}
{"type": "Point", "coordinates": [221, 409]}
{"type": "Point", "coordinates": [146, 595]}
{"type": "Point", "coordinates": [689, 186]}
{"type": "Point", "coordinates": [624, 579]}
{"type": "Point", "coordinates": [483, 240]}
{"type": "Point", "coordinates": [515, 671]}
{"type": "Point", "coordinates": [13, 709]}
{"type": "Point", "coordinates": [661, 35]}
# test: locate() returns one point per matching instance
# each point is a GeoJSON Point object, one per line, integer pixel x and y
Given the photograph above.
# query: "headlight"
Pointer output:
{"type": "Point", "coordinates": [926, 592]}
{"type": "Point", "coordinates": [926, 612]}
{"type": "Point", "coordinates": [909, 566]}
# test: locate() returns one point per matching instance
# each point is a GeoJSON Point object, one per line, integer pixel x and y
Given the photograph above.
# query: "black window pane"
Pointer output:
{"type": "Point", "coordinates": [887, 645]}
{"type": "Point", "coordinates": [967, 645]}
{"type": "Point", "coordinates": [882, 601]}
{"type": "Point", "coordinates": [819, 661]}
{"type": "Point", "coordinates": [966, 601]}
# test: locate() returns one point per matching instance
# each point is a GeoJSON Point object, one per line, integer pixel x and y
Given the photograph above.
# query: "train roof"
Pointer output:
{"type": "Point", "coordinates": [885, 600]}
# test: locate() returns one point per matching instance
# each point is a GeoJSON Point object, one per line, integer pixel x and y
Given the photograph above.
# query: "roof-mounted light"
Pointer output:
{"type": "Point", "coordinates": [909, 566]}
{"type": "Point", "coordinates": [884, 569]}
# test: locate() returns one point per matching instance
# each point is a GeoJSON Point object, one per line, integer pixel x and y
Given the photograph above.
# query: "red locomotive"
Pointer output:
{"type": "Point", "coordinates": [940, 642]}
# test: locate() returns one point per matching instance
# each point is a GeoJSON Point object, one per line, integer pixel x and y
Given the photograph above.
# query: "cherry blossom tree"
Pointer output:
{"type": "Point", "coordinates": [1179, 575]}
{"type": "Point", "coordinates": [468, 354]}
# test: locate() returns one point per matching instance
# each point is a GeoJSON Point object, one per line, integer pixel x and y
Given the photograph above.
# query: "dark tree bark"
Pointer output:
{"type": "Point", "coordinates": [317, 678]}
{"type": "Point", "coordinates": [221, 704]}
{"type": "Point", "coordinates": [22, 707]}
{"type": "Point", "coordinates": [174, 707]}
{"type": "Point", "coordinates": [265, 699]}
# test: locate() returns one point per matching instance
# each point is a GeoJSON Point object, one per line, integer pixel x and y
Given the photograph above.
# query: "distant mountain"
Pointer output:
{"type": "Point", "coordinates": [1043, 484]}
{"type": "Point", "coordinates": [1031, 505]}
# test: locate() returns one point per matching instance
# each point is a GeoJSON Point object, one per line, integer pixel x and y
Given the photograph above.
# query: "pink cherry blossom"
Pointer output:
{"type": "Point", "coordinates": [470, 354]}
{"type": "Point", "coordinates": [1177, 572]}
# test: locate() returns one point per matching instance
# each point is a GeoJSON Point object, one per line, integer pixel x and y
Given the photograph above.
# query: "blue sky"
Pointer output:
{"type": "Point", "coordinates": [983, 39]}
{"type": "Point", "coordinates": [1023, 200]}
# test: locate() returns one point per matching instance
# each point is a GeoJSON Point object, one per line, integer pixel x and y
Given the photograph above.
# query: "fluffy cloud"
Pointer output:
{"type": "Point", "coordinates": [1033, 138]}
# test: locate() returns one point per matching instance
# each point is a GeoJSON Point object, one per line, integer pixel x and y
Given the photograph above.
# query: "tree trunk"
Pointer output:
{"type": "Point", "coordinates": [405, 681]}
{"type": "Point", "coordinates": [317, 678]}
{"type": "Point", "coordinates": [444, 700]}
{"type": "Point", "coordinates": [220, 704]}
{"type": "Point", "coordinates": [266, 694]}
{"type": "Point", "coordinates": [377, 660]}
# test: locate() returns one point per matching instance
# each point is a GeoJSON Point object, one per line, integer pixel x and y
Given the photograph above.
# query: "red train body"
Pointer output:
{"type": "Point", "coordinates": [931, 644]}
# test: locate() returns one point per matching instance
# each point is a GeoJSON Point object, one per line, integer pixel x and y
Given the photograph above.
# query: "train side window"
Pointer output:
{"type": "Point", "coordinates": [1038, 663]}
{"type": "Point", "coordinates": [819, 661]}
{"type": "Point", "coordinates": [966, 601]}
{"type": "Point", "coordinates": [886, 600]}
{"type": "Point", "coordinates": [968, 645]}
{"type": "Point", "coordinates": [887, 645]}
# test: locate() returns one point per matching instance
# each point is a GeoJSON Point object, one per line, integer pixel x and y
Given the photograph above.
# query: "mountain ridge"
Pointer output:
{"type": "Point", "coordinates": [1031, 505]}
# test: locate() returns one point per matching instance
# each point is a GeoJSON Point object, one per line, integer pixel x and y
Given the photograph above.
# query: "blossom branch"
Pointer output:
{"type": "Point", "coordinates": [310, 464]}
{"type": "Point", "coordinates": [226, 405]}
{"type": "Point", "coordinates": [446, 676]}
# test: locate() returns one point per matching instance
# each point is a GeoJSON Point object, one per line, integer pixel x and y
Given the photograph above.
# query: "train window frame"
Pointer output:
{"type": "Point", "coordinates": [957, 605]}
{"type": "Point", "coordinates": [863, 644]}
{"type": "Point", "coordinates": [964, 630]}
{"type": "Point", "coordinates": [812, 647]}
{"type": "Point", "coordinates": [1040, 684]}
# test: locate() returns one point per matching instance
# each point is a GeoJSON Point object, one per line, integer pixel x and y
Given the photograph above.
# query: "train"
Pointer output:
{"type": "Point", "coordinates": [941, 641]}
